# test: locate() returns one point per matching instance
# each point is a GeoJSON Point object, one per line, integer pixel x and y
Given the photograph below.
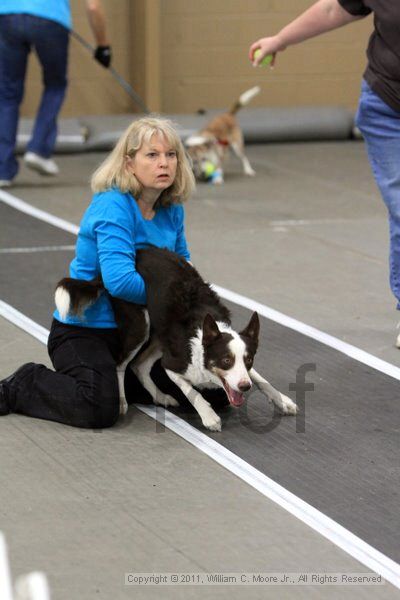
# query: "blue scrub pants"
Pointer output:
{"type": "Point", "coordinates": [19, 34]}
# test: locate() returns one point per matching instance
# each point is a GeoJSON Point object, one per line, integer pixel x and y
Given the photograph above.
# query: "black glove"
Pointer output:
{"type": "Point", "coordinates": [103, 55]}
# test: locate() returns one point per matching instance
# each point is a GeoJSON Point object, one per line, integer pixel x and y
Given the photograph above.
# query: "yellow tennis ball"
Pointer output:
{"type": "Point", "coordinates": [266, 60]}
{"type": "Point", "coordinates": [208, 169]}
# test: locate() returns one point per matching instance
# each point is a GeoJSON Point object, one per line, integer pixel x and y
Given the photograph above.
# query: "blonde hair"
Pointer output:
{"type": "Point", "coordinates": [113, 171]}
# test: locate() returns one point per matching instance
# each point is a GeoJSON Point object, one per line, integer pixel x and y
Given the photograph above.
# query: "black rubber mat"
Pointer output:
{"type": "Point", "coordinates": [341, 454]}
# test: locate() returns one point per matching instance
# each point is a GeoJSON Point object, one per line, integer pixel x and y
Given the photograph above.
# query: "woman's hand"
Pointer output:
{"type": "Point", "coordinates": [267, 45]}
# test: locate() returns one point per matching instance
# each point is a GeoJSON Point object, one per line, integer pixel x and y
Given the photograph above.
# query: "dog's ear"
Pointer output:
{"type": "Point", "coordinates": [253, 328]}
{"type": "Point", "coordinates": [210, 330]}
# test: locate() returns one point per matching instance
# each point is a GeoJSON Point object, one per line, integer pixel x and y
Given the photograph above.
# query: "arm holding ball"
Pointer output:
{"type": "Point", "coordinates": [322, 16]}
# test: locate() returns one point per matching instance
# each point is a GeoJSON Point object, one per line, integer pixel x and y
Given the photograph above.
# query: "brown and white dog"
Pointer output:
{"type": "Point", "coordinates": [209, 147]}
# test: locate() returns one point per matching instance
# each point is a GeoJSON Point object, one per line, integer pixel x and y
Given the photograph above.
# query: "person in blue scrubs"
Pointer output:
{"type": "Point", "coordinates": [138, 194]}
{"type": "Point", "coordinates": [42, 26]}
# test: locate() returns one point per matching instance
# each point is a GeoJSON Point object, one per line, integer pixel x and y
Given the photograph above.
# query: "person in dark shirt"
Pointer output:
{"type": "Point", "coordinates": [378, 115]}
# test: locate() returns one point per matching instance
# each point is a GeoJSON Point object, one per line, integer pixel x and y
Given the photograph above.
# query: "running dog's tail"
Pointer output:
{"type": "Point", "coordinates": [75, 295]}
{"type": "Point", "coordinates": [244, 99]}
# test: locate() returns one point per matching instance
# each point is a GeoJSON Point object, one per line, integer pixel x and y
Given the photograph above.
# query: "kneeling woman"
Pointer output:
{"type": "Point", "coordinates": [138, 194]}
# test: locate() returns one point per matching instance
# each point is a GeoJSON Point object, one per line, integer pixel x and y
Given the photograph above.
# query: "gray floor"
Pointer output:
{"type": "Point", "coordinates": [339, 453]}
{"type": "Point", "coordinates": [308, 237]}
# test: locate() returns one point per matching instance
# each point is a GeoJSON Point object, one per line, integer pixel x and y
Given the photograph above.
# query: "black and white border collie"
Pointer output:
{"type": "Point", "coordinates": [187, 326]}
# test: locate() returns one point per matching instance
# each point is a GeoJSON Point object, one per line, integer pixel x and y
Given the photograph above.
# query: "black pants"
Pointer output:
{"type": "Point", "coordinates": [83, 389]}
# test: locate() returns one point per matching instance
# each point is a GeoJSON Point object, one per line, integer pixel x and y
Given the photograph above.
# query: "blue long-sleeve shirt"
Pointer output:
{"type": "Point", "coordinates": [111, 230]}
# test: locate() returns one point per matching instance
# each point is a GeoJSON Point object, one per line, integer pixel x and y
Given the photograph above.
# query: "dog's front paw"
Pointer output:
{"type": "Point", "coordinates": [211, 421]}
{"type": "Point", "coordinates": [123, 406]}
{"type": "Point", "coordinates": [250, 172]}
{"type": "Point", "coordinates": [288, 407]}
{"type": "Point", "coordinates": [166, 400]}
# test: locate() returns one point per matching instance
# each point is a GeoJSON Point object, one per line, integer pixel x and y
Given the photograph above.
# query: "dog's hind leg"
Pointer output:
{"type": "Point", "coordinates": [142, 369]}
{"type": "Point", "coordinates": [285, 404]}
{"type": "Point", "coordinates": [238, 149]}
{"type": "Point", "coordinates": [121, 368]}
{"type": "Point", "coordinates": [208, 416]}
{"type": "Point", "coordinates": [134, 329]}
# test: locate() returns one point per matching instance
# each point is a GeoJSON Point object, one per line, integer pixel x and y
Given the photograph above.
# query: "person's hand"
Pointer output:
{"type": "Point", "coordinates": [268, 45]}
{"type": "Point", "coordinates": [103, 55]}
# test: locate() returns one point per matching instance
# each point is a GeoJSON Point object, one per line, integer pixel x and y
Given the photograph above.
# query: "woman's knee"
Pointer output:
{"type": "Point", "coordinates": [98, 416]}
{"type": "Point", "coordinates": [107, 417]}
{"type": "Point", "coordinates": [99, 404]}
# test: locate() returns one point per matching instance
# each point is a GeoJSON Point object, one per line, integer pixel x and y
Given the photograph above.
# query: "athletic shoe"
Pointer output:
{"type": "Point", "coordinates": [44, 166]}
{"type": "Point", "coordinates": [398, 341]}
{"type": "Point", "coordinates": [5, 183]}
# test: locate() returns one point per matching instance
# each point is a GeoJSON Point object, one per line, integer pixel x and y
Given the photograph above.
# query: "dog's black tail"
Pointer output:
{"type": "Point", "coordinates": [75, 295]}
{"type": "Point", "coordinates": [244, 99]}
